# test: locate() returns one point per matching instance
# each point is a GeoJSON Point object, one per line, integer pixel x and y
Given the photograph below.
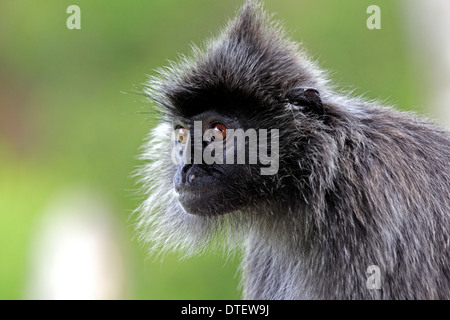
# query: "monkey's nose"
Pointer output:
{"type": "Point", "coordinates": [190, 178]}
{"type": "Point", "coordinates": [184, 177]}
{"type": "Point", "coordinates": [185, 173]}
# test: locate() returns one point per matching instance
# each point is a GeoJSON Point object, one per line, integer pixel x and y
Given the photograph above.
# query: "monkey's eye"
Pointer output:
{"type": "Point", "coordinates": [182, 135]}
{"type": "Point", "coordinates": [219, 132]}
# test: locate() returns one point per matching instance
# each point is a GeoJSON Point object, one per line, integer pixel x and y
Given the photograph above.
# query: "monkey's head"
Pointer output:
{"type": "Point", "coordinates": [237, 113]}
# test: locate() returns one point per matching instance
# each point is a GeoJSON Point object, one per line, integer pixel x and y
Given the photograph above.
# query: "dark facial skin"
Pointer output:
{"type": "Point", "coordinates": [208, 189]}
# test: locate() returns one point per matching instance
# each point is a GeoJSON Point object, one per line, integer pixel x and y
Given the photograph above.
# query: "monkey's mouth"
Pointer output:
{"type": "Point", "coordinates": [195, 191]}
{"type": "Point", "coordinates": [202, 201]}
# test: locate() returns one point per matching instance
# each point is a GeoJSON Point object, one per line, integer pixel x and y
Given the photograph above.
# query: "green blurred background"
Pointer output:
{"type": "Point", "coordinates": [70, 115]}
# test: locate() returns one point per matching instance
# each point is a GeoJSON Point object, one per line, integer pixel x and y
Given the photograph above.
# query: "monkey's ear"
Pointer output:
{"type": "Point", "coordinates": [307, 98]}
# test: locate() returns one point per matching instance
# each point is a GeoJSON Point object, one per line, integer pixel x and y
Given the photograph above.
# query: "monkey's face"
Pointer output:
{"type": "Point", "coordinates": [230, 161]}
{"type": "Point", "coordinates": [217, 163]}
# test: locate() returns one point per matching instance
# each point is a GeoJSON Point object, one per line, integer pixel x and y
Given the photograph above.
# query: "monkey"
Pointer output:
{"type": "Point", "coordinates": [358, 184]}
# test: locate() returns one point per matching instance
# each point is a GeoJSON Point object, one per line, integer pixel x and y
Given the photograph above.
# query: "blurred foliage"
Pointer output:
{"type": "Point", "coordinates": [71, 112]}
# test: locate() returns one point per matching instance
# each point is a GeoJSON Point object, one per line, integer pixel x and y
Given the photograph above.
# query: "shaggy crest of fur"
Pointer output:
{"type": "Point", "coordinates": [247, 47]}
{"type": "Point", "coordinates": [364, 184]}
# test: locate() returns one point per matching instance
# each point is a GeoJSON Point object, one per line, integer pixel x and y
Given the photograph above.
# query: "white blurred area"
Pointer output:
{"type": "Point", "coordinates": [429, 31]}
{"type": "Point", "coordinates": [77, 251]}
